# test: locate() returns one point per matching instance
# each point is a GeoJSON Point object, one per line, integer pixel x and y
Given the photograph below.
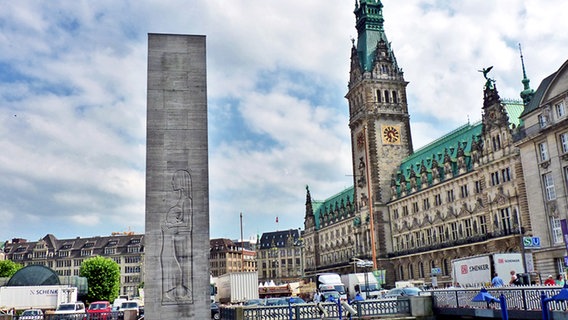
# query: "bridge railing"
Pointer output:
{"type": "Point", "coordinates": [311, 311]}
{"type": "Point", "coordinates": [525, 298]}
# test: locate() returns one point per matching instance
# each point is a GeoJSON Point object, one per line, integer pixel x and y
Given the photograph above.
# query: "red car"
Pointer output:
{"type": "Point", "coordinates": [99, 310]}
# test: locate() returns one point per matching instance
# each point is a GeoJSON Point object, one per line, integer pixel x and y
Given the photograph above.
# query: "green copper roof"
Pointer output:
{"type": "Point", "coordinates": [333, 205]}
{"type": "Point", "coordinates": [439, 147]}
{"type": "Point", "coordinates": [369, 14]}
{"type": "Point", "coordinates": [514, 109]}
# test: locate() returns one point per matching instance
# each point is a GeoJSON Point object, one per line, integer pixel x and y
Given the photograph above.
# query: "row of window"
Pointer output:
{"type": "Point", "coordinates": [387, 96]}
{"type": "Point", "coordinates": [505, 219]}
{"type": "Point", "coordinates": [543, 154]}
{"type": "Point", "coordinates": [288, 252]}
{"type": "Point", "coordinates": [497, 178]}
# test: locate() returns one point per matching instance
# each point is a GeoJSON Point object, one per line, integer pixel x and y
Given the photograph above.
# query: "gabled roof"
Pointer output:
{"type": "Point", "coordinates": [280, 239]}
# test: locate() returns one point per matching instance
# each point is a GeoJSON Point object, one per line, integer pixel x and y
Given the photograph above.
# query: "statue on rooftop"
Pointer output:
{"type": "Point", "coordinates": [489, 82]}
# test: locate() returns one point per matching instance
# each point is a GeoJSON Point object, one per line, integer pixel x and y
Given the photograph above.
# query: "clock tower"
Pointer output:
{"type": "Point", "coordinates": [380, 128]}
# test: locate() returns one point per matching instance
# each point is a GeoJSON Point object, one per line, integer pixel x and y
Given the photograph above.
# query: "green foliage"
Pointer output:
{"type": "Point", "coordinates": [103, 277]}
{"type": "Point", "coordinates": [8, 268]}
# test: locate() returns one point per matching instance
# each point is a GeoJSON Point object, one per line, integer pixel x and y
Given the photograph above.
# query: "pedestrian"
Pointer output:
{"type": "Point", "coordinates": [549, 281]}
{"type": "Point", "coordinates": [514, 279]}
{"type": "Point", "coordinates": [559, 281]}
{"type": "Point", "coordinates": [317, 296]}
{"type": "Point", "coordinates": [497, 281]}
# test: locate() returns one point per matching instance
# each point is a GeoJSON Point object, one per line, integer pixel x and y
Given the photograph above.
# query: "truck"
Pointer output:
{"type": "Point", "coordinates": [477, 271]}
{"type": "Point", "coordinates": [212, 288]}
{"type": "Point", "coordinates": [237, 287]}
{"type": "Point", "coordinates": [36, 297]}
{"type": "Point", "coordinates": [365, 283]}
{"type": "Point", "coordinates": [330, 283]}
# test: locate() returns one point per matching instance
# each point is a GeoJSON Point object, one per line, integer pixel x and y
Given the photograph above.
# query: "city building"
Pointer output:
{"type": "Point", "coordinates": [227, 256]}
{"type": "Point", "coordinates": [412, 211]}
{"type": "Point", "coordinates": [543, 144]}
{"type": "Point", "coordinates": [65, 256]}
{"type": "Point", "coordinates": [279, 256]}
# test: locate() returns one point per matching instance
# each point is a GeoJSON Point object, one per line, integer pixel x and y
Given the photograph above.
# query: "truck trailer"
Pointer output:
{"type": "Point", "coordinates": [477, 271]}
{"type": "Point", "coordinates": [364, 283]}
{"type": "Point", "coordinates": [237, 287]}
{"type": "Point", "coordinates": [36, 297]}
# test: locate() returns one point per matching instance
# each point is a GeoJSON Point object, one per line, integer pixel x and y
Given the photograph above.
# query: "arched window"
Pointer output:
{"type": "Point", "coordinates": [394, 97]}
{"type": "Point", "coordinates": [387, 98]}
{"type": "Point", "coordinates": [379, 98]}
{"type": "Point", "coordinates": [410, 271]}
{"type": "Point", "coordinates": [401, 272]}
{"type": "Point", "coordinates": [421, 269]}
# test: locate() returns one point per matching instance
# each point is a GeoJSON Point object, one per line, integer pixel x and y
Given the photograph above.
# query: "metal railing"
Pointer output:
{"type": "Point", "coordinates": [525, 298]}
{"type": "Point", "coordinates": [312, 311]}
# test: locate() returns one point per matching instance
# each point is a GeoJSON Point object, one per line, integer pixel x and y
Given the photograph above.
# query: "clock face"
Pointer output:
{"type": "Point", "coordinates": [360, 141]}
{"type": "Point", "coordinates": [391, 134]}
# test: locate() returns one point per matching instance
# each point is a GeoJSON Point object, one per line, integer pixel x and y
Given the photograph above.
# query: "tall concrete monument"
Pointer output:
{"type": "Point", "coordinates": [177, 193]}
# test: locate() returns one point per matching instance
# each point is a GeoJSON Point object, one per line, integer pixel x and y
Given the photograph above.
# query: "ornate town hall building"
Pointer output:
{"type": "Point", "coordinates": [411, 212]}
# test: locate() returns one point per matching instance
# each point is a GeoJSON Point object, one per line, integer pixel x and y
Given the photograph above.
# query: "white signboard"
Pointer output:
{"type": "Point", "coordinates": [505, 262]}
{"type": "Point", "coordinates": [473, 271]}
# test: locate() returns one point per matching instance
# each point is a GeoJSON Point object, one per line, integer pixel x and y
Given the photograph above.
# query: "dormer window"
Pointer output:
{"type": "Point", "coordinates": [66, 247]}
{"type": "Point", "coordinates": [89, 244]}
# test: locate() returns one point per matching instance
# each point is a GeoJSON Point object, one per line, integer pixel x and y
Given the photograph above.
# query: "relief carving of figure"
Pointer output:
{"type": "Point", "coordinates": [175, 257]}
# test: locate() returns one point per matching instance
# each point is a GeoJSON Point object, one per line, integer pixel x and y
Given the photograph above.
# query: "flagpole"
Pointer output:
{"type": "Point", "coordinates": [242, 246]}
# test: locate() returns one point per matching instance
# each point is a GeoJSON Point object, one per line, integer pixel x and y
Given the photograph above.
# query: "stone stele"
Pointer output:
{"type": "Point", "coordinates": [176, 274]}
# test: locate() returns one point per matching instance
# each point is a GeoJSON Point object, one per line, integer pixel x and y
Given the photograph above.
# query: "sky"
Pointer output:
{"type": "Point", "coordinates": [73, 99]}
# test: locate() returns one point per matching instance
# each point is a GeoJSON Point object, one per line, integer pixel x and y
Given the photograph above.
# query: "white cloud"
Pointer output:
{"type": "Point", "coordinates": [73, 99]}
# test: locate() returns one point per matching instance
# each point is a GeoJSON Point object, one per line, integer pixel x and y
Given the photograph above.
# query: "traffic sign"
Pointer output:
{"type": "Point", "coordinates": [531, 242]}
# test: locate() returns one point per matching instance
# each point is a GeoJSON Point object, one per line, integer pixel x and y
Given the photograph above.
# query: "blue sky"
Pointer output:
{"type": "Point", "coordinates": [73, 99]}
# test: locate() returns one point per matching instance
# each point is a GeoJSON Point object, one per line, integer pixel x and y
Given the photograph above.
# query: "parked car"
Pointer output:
{"type": "Point", "coordinates": [328, 295]}
{"type": "Point", "coordinates": [253, 302]}
{"type": "Point", "coordinates": [70, 311]}
{"type": "Point", "coordinates": [275, 302]}
{"type": "Point", "coordinates": [130, 305]}
{"type": "Point", "coordinates": [295, 300]}
{"type": "Point", "coordinates": [99, 310]}
{"type": "Point", "coordinates": [215, 312]}
{"type": "Point", "coordinates": [403, 292]}
{"type": "Point", "coordinates": [31, 314]}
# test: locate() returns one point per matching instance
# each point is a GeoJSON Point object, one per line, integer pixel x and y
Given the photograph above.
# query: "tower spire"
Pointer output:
{"type": "Point", "coordinates": [370, 29]}
{"type": "Point", "coordinates": [527, 92]}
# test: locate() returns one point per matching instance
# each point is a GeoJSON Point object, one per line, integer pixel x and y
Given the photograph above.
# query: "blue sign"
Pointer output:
{"type": "Point", "coordinates": [531, 242]}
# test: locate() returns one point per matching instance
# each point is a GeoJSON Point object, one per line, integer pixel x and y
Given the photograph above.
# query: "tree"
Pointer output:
{"type": "Point", "coordinates": [103, 278]}
{"type": "Point", "coordinates": [8, 268]}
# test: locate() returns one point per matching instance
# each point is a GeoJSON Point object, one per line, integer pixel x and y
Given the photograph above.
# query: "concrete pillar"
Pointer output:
{"type": "Point", "coordinates": [177, 192]}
